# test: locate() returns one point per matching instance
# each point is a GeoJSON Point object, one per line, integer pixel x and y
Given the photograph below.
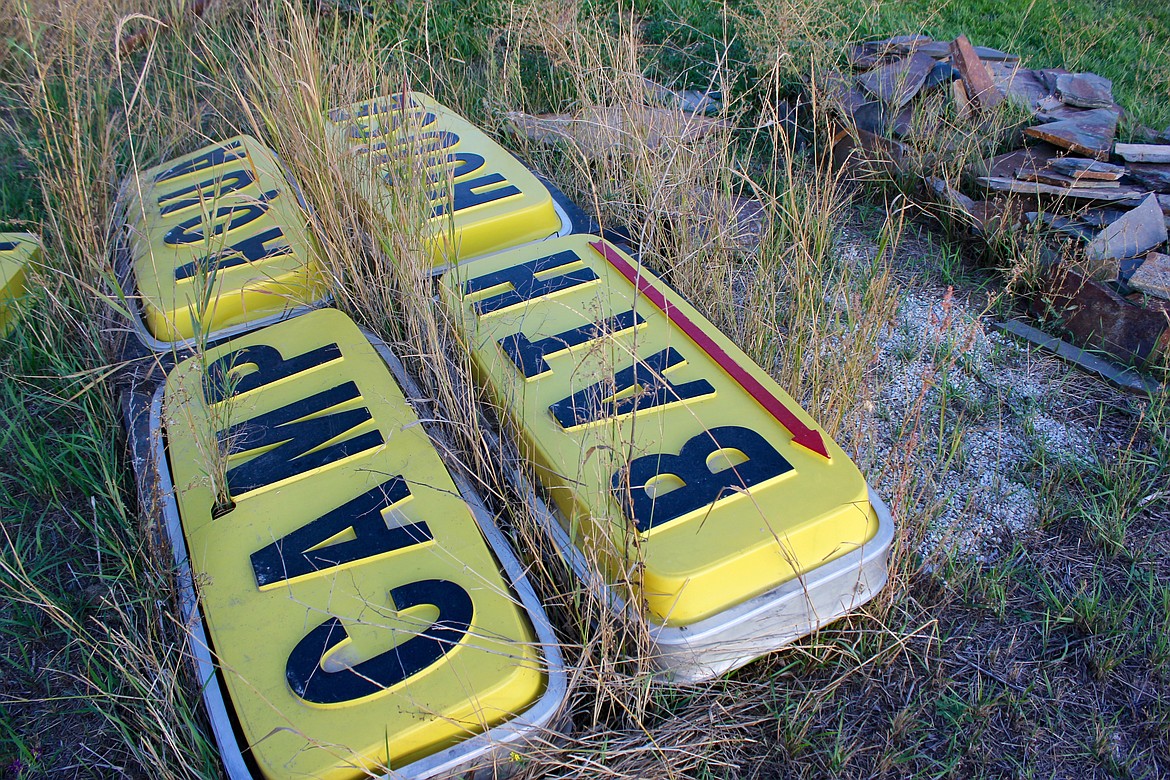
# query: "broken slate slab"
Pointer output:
{"type": "Point", "coordinates": [1101, 218]}
{"type": "Point", "coordinates": [951, 196]}
{"type": "Point", "coordinates": [942, 49]}
{"type": "Point", "coordinates": [981, 89]}
{"type": "Point", "coordinates": [1153, 276]}
{"type": "Point", "coordinates": [1017, 187]}
{"type": "Point", "coordinates": [942, 73]}
{"type": "Point", "coordinates": [864, 151]}
{"type": "Point", "coordinates": [1090, 133]}
{"type": "Point", "coordinates": [1069, 227]}
{"type": "Point", "coordinates": [1050, 109]}
{"type": "Point", "coordinates": [868, 54]}
{"type": "Point", "coordinates": [692, 101]}
{"type": "Point", "coordinates": [1155, 178]}
{"type": "Point", "coordinates": [896, 84]}
{"type": "Point", "coordinates": [1135, 233]}
{"type": "Point", "coordinates": [1006, 165]}
{"type": "Point", "coordinates": [1080, 168]}
{"type": "Point", "coordinates": [854, 105]}
{"type": "Point", "coordinates": [1022, 86]}
{"type": "Point", "coordinates": [1144, 153]}
{"type": "Point", "coordinates": [1084, 90]}
{"type": "Point", "coordinates": [1046, 176]}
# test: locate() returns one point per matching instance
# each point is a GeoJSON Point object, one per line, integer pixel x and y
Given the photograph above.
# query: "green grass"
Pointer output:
{"type": "Point", "coordinates": [86, 627]}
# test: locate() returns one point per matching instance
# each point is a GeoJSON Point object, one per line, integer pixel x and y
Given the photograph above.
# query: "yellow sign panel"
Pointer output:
{"type": "Point", "coordinates": [217, 238]}
{"type": "Point", "coordinates": [17, 252]}
{"type": "Point", "coordinates": [479, 198]}
{"type": "Point", "coordinates": [355, 610]}
{"type": "Point", "coordinates": [673, 457]}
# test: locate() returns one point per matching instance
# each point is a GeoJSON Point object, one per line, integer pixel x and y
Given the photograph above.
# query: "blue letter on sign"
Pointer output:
{"type": "Point", "coordinates": [692, 466]}
{"type": "Point", "coordinates": [647, 379]}
{"type": "Point", "coordinates": [533, 279]}
{"type": "Point", "coordinates": [312, 683]}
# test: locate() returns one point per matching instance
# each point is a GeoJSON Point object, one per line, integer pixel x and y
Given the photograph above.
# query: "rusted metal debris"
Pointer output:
{"type": "Point", "coordinates": [1099, 317]}
{"type": "Point", "coordinates": [1125, 378]}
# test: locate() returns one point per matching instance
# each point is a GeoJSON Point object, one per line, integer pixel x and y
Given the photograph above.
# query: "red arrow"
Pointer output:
{"type": "Point", "coordinates": [807, 437]}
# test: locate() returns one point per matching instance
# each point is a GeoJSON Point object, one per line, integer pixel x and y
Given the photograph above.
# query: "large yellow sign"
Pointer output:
{"type": "Point", "coordinates": [356, 613]}
{"type": "Point", "coordinates": [672, 457]}
{"type": "Point", "coordinates": [476, 198]}
{"type": "Point", "coordinates": [218, 239]}
{"type": "Point", "coordinates": [17, 252]}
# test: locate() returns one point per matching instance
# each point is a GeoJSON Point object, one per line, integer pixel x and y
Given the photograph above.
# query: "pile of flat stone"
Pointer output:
{"type": "Point", "coordinates": [1070, 176]}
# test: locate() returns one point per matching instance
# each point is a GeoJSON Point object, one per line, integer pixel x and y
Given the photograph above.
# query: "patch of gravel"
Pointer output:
{"type": "Point", "coordinates": [984, 409]}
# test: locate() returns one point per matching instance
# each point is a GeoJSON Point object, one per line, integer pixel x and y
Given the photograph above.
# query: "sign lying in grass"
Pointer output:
{"type": "Point", "coordinates": [356, 613]}
{"type": "Point", "coordinates": [674, 462]}
{"type": "Point", "coordinates": [17, 252]}
{"type": "Point", "coordinates": [218, 243]}
{"type": "Point", "coordinates": [425, 159]}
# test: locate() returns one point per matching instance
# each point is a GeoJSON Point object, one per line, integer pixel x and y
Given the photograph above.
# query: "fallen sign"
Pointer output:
{"type": "Point", "coordinates": [685, 481]}
{"type": "Point", "coordinates": [215, 243]}
{"type": "Point", "coordinates": [478, 198]}
{"type": "Point", "coordinates": [351, 616]}
{"type": "Point", "coordinates": [18, 251]}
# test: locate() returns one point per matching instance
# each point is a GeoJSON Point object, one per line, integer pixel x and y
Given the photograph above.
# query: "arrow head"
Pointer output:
{"type": "Point", "coordinates": [811, 439]}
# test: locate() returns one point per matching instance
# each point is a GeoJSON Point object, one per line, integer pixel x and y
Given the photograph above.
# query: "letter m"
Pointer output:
{"type": "Point", "coordinates": [296, 438]}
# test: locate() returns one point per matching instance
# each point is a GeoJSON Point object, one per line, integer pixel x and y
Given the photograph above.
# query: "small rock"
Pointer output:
{"type": "Point", "coordinates": [1153, 276]}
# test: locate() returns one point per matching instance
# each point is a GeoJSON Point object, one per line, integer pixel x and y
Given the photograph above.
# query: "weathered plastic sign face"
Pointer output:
{"type": "Point", "coordinates": [218, 239]}
{"type": "Point", "coordinates": [354, 608]}
{"type": "Point", "coordinates": [479, 198]}
{"type": "Point", "coordinates": [17, 252]}
{"type": "Point", "coordinates": [670, 454]}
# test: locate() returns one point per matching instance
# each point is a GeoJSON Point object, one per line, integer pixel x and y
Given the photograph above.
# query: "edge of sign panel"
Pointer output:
{"type": "Point", "coordinates": [495, 744]}
{"type": "Point", "coordinates": [704, 640]}
{"type": "Point", "coordinates": [449, 231]}
{"type": "Point", "coordinates": [124, 265]}
{"type": "Point", "coordinates": [17, 252]}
